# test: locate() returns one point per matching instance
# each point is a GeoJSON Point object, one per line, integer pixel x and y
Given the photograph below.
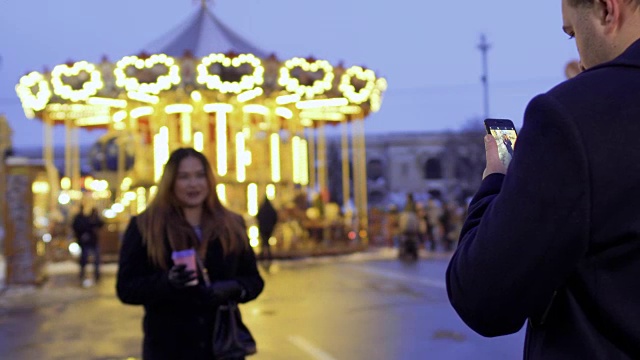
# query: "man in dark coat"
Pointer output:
{"type": "Point", "coordinates": [555, 240]}
{"type": "Point", "coordinates": [267, 219]}
{"type": "Point", "coordinates": [85, 228]}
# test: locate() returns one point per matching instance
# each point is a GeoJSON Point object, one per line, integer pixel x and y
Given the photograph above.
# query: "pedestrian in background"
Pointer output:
{"type": "Point", "coordinates": [554, 240]}
{"type": "Point", "coordinates": [185, 214]}
{"type": "Point", "coordinates": [86, 228]}
{"type": "Point", "coordinates": [267, 219]}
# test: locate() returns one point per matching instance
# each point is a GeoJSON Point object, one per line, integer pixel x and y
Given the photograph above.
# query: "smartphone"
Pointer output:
{"type": "Point", "coordinates": [505, 134]}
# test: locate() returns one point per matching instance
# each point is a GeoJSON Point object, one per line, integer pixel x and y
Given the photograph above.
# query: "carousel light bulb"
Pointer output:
{"type": "Point", "coordinates": [295, 149]}
{"type": "Point", "coordinates": [252, 199]}
{"type": "Point", "coordinates": [218, 108]}
{"type": "Point", "coordinates": [129, 196]}
{"type": "Point", "coordinates": [117, 207]}
{"type": "Point", "coordinates": [64, 198]}
{"type": "Point", "coordinates": [196, 96]}
{"type": "Point", "coordinates": [275, 157]}
{"type": "Point", "coordinates": [141, 111]}
{"type": "Point", "coordinates": [198, 141]}
{"type": "Point", "coordinates": [119, 116]}
{"type": "Point", "coordinates": [321, 103]}
{"type": "Point", "coordinates": [304, 162]}
{"type": "Point", "coordinates": [287, 99]}
{"type": "Point", "coordinates": [141, 196]}
{"type": "Point", "coordinates": [253, 232]}
{"type": "Point", "coordinates": [126, 184]}
{"type": "Point", "coordinates": [250, 94]}
{"type": "Point", "coordinates": [65, 183]}
{"type": "Point", "coordinates": [142, 97]}
{"type": "Point", "coordinates": [241, 171]}
{"type": "Point", "coordinates": [40, 187]}
{"type": "Point", "coordinates": [284, 112]}
{"type": "Point", "coordinates": [87, 182]}
{"type": "Point", "coordinates": [222, 193]}
{"type": "Point", "coordinates": [114, 103]}
{"type": "Point", "coordinates": [248, 158]}
{"type": "Point", "coordinates": [256, 109]}
{"type": "Point", "coordinates": [161, 151]}
{"type": "Point", "coordinates": [185, 126]}
{"type": "Point", "coordinates": [221, 143]}
{"type": "Point", "coordinates": [178, 108]}
{"type": "Point", "coordinates": [271, 192]}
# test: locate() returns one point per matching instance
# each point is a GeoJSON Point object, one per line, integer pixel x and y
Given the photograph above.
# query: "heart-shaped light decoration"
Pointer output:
{"type": "Point", "coordinates": [292, 84]}
{"type": "Point", "coordinates": [164, 80]}
{"type": "Point", "coordinates": [215, 82]}
{"type": "Point", "coordinates": [376, 94]}
{"type": "Point", "coordinates": [90, 86]}
{"type": "Point", "coordinates": [33, 101]}
{"type": "Point", "coordinates": [349, 91]}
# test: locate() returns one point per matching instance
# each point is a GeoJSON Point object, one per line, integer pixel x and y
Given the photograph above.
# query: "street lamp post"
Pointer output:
{"type": "Point", "coordinates": [484, 48]}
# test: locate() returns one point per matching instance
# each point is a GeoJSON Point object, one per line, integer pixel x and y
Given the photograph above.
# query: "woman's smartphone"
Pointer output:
{"type": "Point", "coordinates": [505, 134]}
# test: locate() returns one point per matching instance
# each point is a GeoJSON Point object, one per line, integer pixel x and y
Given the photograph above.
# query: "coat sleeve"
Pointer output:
{"type": "Point", "coordinates": [525, 231]}
{"type": "Point", "coordinates": [247, 274]}
{"type": "Point", "coordinates": [138, 281]}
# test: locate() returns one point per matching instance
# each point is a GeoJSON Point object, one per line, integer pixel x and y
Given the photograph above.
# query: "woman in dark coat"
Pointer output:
{"type": "Point", "coordinates": [186, 213]}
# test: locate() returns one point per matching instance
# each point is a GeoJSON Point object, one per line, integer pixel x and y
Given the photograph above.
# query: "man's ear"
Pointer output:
{"type": "Point", "coordinates": [608, 11]}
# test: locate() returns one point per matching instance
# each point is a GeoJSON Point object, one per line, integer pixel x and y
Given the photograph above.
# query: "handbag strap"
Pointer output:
{"type": "Point", "coordinates": [203, 270]}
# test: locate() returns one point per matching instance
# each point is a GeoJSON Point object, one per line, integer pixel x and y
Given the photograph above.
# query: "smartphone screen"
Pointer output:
{"type": "Point", "coordinates": [505, 134]}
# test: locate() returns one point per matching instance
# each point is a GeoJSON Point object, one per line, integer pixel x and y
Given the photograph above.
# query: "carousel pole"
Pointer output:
{"type": "Point", "coordinates": [360, 178]}
{"type": "Point", "coordinates": [355, 156]}
{"type": "Point", "coordinates": [363, 181]}
{"type": "Point", "coordinates": [68, 163]}
{"type": "Point", "coordinates": [312, 158]}
{"type": "Point", "coordinates": [322, 177]}
{"type": "Point", "coordinates": [345, 165]}
{"type": "Point", "coordinates": [52, 172]}
{"type": "Point", "coordinates": [75, 158]}
{"type": "Point", "coordinates": [120, 169]}
{"type": "Point", "coordinates": [322, 161]}
{"type": "Point", "coordinates": [5, 144]}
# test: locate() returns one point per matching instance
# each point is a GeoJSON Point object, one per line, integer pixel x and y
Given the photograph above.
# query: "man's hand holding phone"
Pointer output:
{"type": "Point", "coordinates": [499, 144]}
{"type": "Point", "coordinates": [494, 164]}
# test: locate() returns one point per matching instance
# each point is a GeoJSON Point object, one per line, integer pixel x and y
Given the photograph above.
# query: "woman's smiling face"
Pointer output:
{"type": "Point", "coordinates": [191, 187]}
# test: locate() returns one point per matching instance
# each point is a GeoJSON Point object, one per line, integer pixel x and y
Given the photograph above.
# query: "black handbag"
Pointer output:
{"type": "Point", "coordinates": [231, 337]}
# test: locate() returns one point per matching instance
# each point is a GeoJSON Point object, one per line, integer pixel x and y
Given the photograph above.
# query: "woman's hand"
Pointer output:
{"type": "Point", "coordinates": [224, 290]}
{"type": "Point", "coordinates": [179, 276]}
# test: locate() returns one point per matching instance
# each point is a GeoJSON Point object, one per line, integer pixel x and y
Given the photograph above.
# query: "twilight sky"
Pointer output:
{"type": "Point", "coordinates": [427, 50]}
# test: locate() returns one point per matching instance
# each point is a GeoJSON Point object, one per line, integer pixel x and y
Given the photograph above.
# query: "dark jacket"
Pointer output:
{"type": "Point", "coordinates": [267, 219]}
{"type": "Point", "coordinates": [557, 240]}
{"type": "Point", "coordinates": [178, 323]}
{"type": "Point", "coordinates": [85, 229]}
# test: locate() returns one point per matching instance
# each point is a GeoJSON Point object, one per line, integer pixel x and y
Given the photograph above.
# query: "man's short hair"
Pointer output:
{"type": "Point", "coordinates": [576, 3]}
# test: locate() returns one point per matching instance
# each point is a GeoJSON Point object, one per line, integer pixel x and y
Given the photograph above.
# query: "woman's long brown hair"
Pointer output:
{"type": "Point", "coordinates": [164, 217]}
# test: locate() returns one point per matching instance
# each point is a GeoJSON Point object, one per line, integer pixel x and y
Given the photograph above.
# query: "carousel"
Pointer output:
{"type": "Point", "coordinates": [261, 121]}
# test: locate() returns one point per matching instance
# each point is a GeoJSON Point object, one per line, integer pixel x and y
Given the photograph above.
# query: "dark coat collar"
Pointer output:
{"type": "Point", "coordinates": [629, 58]}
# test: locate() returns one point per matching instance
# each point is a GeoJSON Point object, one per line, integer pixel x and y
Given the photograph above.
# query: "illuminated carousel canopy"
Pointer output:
{"type": "Point", "coordinates": [208, 58]}
{"type": "Point", "coordinates": [259, 119]}
{"type": "Point", "coordinates": [203, 34]}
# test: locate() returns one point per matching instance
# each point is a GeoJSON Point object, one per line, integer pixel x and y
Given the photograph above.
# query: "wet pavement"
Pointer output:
{"type": "Point", "coordinates": [64, 320]}
{"type": "Point", "coordinates": [361, 306]}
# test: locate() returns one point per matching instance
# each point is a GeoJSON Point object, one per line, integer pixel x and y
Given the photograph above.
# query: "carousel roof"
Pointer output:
{"type": "Point", "coordinates": [203, 34]}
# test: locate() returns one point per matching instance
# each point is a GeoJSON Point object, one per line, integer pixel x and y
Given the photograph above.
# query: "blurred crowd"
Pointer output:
{"type": "Point", "coordinates": [437, 223]}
